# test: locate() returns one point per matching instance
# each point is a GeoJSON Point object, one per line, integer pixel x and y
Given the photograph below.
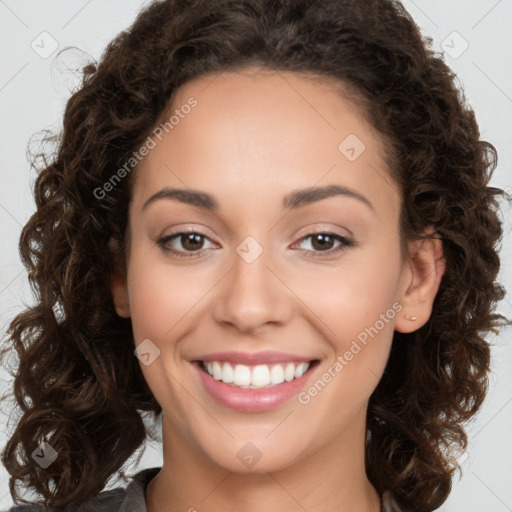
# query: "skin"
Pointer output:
{"type": "Point", "coordinates": [253, 137]}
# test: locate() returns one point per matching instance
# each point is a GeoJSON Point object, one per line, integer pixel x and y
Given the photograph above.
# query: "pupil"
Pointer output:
{"type": "Point", "coordinates": [325, 240]}
{"type": "Point", "coordinates": [193, 238]}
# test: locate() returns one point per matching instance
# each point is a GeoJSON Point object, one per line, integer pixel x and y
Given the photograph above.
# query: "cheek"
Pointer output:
{"type": "Point", "coordinates": [355, 308]}
{"type": "Point", "coordinates": [358, 324]}
{"type": "Point", "coordinates": [356, 295]}
{"type": "Point", "coordinates": [164, 297]}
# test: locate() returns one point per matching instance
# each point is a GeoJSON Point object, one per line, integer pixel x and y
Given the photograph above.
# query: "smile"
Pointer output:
{"type": "Point", "coordinates": [256, 376]}
{"type": "Point", "coordinates": [253, 388]}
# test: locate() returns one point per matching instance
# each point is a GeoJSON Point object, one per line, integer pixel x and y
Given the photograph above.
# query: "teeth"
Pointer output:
{"type": "Point", "coordinates": [242, 375]}
{"type": "Point", "coordinates": [228, 374]}
{"type": "Point", "coordinates": [260, 375]}
{"type": "Point", "coordinates": [217, 371]}
{"type": "Point", "coordinates": [255, 377]}
{"type": "Point", "coordinates": [276, 374]}
{"type": "Point", "coordinates": [289, 372]}
{"type": "Point", "coordinates": [301, 370]}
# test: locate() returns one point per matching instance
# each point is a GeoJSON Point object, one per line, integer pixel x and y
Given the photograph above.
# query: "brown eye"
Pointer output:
{"type": "Point", "coordinates": [188, 242]}
{"type": "Point", "coordinates": [322, 244]}
{"type": "Point", "coordinates": [191, 241]}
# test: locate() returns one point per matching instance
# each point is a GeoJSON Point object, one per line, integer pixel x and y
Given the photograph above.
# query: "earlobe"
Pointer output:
{"type": "Point", "coordinates": [421, 279]}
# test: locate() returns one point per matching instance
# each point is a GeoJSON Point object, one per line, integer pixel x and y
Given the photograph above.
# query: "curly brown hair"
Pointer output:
{"type": "Point", "coordinates": [78, 383]}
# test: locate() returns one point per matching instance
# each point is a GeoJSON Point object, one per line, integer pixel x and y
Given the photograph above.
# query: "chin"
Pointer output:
{"type": "Point", "coordinates": [248, 457]}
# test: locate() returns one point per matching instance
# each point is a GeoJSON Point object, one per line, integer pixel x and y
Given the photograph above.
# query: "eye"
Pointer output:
{"type": "Point", "coordinates": [322, 244]}
{"type": "Point", "coordinates": [190, 241]}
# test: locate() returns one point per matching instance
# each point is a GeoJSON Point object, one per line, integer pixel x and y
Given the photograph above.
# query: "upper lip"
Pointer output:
{"type": "Point", "coordinates": [254, 358]}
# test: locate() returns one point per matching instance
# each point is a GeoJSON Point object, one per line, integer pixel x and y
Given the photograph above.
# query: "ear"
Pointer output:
{"type": "Point", "coordinates": [120, 295]}
{"type": "Point", "coordinates": [420, 280]}
{"type": "Point", "coordinates": [119, 287]}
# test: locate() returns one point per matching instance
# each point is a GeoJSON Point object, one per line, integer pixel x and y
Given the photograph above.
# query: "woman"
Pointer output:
{"type": "Point", "coordinates": [283, 207]}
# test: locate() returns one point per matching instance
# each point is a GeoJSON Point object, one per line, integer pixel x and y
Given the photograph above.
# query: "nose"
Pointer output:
{"type": "Point", "coordinates": [253, 295]}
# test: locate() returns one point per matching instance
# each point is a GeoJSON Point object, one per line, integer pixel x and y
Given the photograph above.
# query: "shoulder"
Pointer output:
{"type": "Point", "coordinates": [105, 501]}
{"type": "Point", "coordinates": [120, 499]}
{"type": "Point", "coordinates": [389, 504]}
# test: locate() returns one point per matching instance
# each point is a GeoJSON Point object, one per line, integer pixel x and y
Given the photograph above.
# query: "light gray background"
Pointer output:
{"type": "Point", "coordinates": [33, 93]}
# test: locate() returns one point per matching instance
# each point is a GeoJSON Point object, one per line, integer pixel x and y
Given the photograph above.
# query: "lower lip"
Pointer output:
{"type": "Point", "coordinates": [252, 400]}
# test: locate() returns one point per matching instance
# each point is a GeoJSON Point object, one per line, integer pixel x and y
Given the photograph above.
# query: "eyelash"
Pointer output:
{"type": "Point", "coordinates": [345, 243]}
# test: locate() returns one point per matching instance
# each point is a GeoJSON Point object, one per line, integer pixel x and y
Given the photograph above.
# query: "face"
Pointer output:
{"type": "Point", "coordinates": [289, 255]}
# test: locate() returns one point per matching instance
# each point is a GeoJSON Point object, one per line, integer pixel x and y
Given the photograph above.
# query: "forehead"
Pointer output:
{"type": "Point", "coordinates": [258, 130]}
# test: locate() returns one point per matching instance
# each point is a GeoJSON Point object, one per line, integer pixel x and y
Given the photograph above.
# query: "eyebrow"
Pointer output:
{"type": "Point", "coordinates": [295, 199]}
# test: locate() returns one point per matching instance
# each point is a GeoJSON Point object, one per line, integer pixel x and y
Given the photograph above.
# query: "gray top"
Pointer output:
{"type": "Point", "coordinates": [132, 498]}
{"type": "Point", "coordinates": [129, 499]}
